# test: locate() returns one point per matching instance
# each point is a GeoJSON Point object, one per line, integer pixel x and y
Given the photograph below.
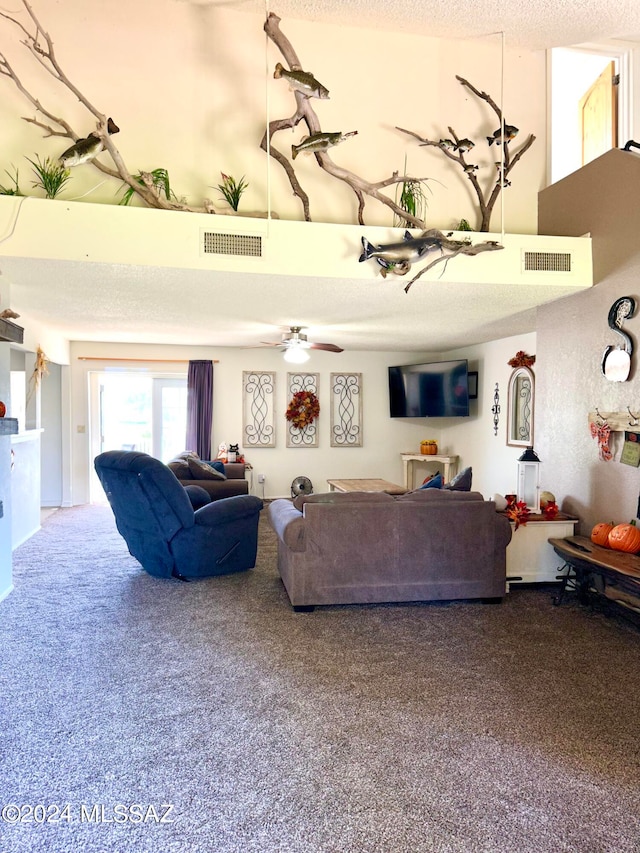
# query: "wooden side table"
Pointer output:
{"type": "Point", "coordinates": [530, 557]}
{"type": "Point", "coordinates": [449, 464]}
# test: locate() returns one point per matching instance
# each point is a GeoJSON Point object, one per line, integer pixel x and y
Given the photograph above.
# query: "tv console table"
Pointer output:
{"type": "Point", "coordinates": [449, 464]}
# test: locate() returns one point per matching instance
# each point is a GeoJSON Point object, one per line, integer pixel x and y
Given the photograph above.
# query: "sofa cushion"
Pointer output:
{"type": "Point", "coordinates": [199, 470]}
{"type": "Point", "coordinates": [432, 482]}
{"type": "Point", "coordinates": [461, 482]}
{"type": "Point", "coordinates": [180, 468]}
{"type": "Point", "coordinates": [341, 498]}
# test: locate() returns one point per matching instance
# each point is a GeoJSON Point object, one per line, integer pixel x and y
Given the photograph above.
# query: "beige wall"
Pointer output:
{"type": "Point", "coordinates": [190, 85]}
{"type": "Point", "coordinates": [573, 334]}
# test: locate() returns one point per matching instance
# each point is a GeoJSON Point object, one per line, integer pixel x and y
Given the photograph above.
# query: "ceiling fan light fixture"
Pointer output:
{"type": "Point", "coordinates": [296, 355]}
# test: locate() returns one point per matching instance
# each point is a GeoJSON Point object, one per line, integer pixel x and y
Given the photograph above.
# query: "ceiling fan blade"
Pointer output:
{"type": "Point", "coordinates": [327, 347]}
{"type": "Point", "coordinates": [270, 344]}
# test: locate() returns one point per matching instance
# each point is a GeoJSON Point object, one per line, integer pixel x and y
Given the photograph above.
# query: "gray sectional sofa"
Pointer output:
{"type": "Point", "coordinates": [364, 547]}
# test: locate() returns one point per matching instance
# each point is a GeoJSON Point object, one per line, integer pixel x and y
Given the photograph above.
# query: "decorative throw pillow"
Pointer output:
{"type": "Point", "coordinates": [201, 471]}
{"type": "Point", "coordinates": [217, 465]}
{"type": "Point", "coordinates": [433, 483]}
{"type": "Point", "coordinates": [461, 482]}
{"type": "Point", "coordinates": [180, 468]}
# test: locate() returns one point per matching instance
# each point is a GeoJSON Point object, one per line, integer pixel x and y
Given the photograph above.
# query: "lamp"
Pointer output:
{"type": "Point", "coordinates": [529, 479]}
{"type": "Point", "coordinates": [296, 354]}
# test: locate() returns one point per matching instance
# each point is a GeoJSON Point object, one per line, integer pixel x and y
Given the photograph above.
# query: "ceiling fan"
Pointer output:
{"type": "Point", "coordinates": [295, 345]}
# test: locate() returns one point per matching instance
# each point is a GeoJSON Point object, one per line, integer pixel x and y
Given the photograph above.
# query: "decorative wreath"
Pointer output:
{"type": "Point", "coordinates": [303, 409]}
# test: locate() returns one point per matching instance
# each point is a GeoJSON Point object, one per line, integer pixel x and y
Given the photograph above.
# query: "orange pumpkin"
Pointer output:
{"type": "Point", "coordinates": [600, 533]}
{"type": "Point", "coordinates": [625, 537]}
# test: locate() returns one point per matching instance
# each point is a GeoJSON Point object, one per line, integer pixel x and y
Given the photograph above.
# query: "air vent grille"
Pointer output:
{"type": "Point", "coordinates": [231, 244]}
{"type": "Point", "coordinates": [547, 262]}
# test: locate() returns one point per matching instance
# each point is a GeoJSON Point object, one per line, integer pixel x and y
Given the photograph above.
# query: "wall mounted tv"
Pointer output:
{"type": "Point", "coordinates": [438, 389]}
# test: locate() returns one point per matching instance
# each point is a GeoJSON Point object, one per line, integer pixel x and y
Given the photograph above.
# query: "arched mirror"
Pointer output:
{"type": "Point", "coordinates": [521, 400]}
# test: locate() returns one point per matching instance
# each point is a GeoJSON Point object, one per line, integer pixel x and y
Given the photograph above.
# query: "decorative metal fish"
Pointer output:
{"type": "Point", "coordinates": [319, 142]}
{"type": "Point", "coordinates": [447, 143]}
{"type": "Point", "coordinates": [84, 150]}
{"type": "Point", "coordinates": [301, 81]}
{"type": "Point", "coordinates": [397, 257]}
{"type": "Point", "coordinates": [470, 168]}
{"type": "Point", "coordinates": [510, 132]}
{"type": "Point", "coordinates": [464, 145]}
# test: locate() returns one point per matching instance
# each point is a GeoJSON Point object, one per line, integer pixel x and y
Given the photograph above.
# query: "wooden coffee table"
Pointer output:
{"type": "Point", "coordinates": [367, 485]}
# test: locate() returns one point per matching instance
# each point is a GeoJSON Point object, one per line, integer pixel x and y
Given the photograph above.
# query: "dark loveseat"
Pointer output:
{"type": "Point", "coordinates": [220, 480]}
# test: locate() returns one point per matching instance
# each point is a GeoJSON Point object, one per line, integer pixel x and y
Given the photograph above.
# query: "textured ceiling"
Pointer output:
{"type": "Point", "coordinates": [534, 24]}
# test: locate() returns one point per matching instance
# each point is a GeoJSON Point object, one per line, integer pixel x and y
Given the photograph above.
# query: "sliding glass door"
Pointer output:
{"type": "Point", "coordinates": [132, 410]}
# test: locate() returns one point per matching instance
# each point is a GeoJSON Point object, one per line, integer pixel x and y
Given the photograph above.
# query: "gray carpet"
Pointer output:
{"type": "Point", "coordinates": [449, 728]}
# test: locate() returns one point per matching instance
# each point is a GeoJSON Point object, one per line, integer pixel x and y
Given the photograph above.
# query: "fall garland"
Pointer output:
{"type": "Point", "coordinates": [303, 409]}
{"type": "Point", "coordinates": [521, 359]}
{"type": "Point", "coordinates": [518, 512]}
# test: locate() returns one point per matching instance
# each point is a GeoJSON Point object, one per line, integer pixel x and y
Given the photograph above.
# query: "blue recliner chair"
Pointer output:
{"type": "Point", "coordinates": [163, 532]}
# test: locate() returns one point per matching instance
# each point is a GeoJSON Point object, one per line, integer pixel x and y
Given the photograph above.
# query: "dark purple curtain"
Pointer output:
{"type": "Point", "coordinates": [200, 407]}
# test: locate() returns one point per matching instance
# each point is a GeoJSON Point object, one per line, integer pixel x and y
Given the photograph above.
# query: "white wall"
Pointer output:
{"type": "Point", "coordinates": [6, 577]}
{"type": "Point", "coordinates": [494, 463]}
{"type": "Point", "coordinates": [51, 473]}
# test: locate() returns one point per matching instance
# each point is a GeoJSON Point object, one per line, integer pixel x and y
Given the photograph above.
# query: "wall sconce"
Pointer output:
{"type": "Point", "coordinates": [296, 355]}
{"type": "Point", "coordinates": [529, 479]}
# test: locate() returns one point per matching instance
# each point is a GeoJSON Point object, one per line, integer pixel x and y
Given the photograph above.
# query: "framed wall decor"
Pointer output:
{"type": "Point", "coordinates": [258, 392]}
{"type": "Point", "coordinates": [520, 408]}
{"type": "Point", "coordinates": [302, 384]}
{"type": "Point", "coordinates": [346, 410]}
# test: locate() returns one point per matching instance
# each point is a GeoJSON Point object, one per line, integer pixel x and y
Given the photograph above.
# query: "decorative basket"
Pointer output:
{"type": "Point", "coordinates": [428, 448]}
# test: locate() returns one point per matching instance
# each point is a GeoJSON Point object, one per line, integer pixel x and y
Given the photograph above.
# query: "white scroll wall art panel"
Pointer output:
{"type": "Point", "coordinates": [258, 394]}
{"type": "Point", "coordinates": [346, 410]}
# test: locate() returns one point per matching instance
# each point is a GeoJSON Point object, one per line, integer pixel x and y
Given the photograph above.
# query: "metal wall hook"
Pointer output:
{"type": "Point", "coordinates": [635, 421]}
{"type": "Point", "coordinates": [603, 420]}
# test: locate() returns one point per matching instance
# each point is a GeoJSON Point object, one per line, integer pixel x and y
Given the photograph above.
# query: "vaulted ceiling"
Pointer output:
{"type": "Point", "coordinates": [165, 305]}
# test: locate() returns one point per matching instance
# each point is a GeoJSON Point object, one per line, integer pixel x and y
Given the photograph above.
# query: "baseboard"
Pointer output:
{"type": "Point", "coordinates": [7, 592]}
{"type": "Point", "coordinates": [24, 539]}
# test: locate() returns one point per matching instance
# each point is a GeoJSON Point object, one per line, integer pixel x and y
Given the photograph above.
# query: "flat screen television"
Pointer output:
{"type": "Point", "coordinates": [438, 389]}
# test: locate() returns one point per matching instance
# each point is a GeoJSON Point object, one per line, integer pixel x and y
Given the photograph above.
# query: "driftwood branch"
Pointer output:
{"type": "Point", "coordinates": [38, 42]}
{"type": "Point", "coordinates": [487, 197]}
{"type": "Point", "coordinates": [453, 248]}
{"type": "Point", "coordinates": [305, 113]}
